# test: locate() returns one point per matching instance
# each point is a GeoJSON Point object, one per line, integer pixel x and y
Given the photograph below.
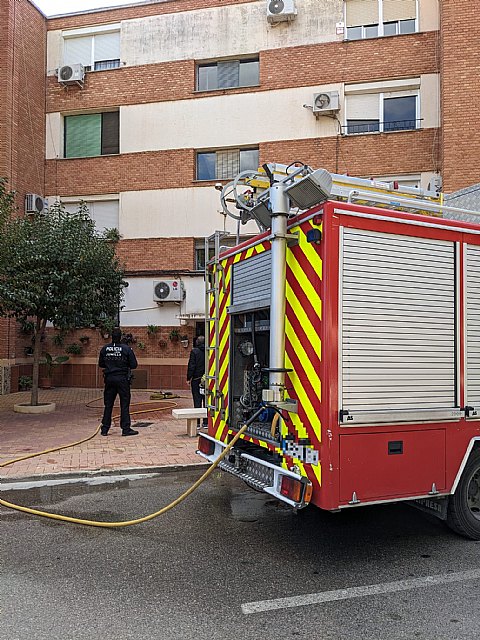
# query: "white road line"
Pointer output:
{"type": "Point", "coordinates": [358, 592]}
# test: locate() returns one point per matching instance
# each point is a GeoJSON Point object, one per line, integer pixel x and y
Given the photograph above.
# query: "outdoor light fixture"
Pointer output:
{"type": "Point", "coordinates": [311, 190]}
{"type": "Point", "coordinates": [261, 213]}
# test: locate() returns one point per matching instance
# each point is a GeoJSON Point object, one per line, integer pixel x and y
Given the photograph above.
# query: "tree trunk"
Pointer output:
{"type": "Point", "coordinates": [37, 350]}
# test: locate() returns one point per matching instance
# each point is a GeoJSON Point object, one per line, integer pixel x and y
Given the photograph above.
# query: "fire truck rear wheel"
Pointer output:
{"type": "Point", "coordinates": [463, 514]}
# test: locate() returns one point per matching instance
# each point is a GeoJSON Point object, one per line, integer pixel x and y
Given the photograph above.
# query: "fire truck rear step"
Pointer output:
{"type": "Point", "coordinates": [258, 473]}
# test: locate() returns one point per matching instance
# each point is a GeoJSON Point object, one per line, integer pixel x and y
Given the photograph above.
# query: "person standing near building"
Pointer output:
{"type": "Point", "coordinates": [117, 360]}
{"type": "Point", "coordinates": [195, 371]}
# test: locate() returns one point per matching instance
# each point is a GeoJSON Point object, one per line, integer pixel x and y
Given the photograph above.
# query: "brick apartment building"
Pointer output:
{"type": "Point", "coordinates": [178, 95]}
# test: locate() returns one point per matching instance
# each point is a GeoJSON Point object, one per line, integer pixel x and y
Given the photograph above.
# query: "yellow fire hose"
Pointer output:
{"type": "Point", "coordinates": [123, 523]}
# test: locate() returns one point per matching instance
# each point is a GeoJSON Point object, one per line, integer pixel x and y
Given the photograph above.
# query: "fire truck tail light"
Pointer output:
{"type": "Point", "coordinates": [291, 488]}
{"type": "Point", "coordinates": [308, 494]}
{"type": "Point", "coordinates": [205, 446]}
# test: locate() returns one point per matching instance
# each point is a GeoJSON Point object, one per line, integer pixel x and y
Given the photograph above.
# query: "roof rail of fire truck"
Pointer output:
{"type": "Point", "coordinates": [249, 191]}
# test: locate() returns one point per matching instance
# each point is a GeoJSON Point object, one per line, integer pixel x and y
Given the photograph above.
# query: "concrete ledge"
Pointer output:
{"type": "Point", "coordinates": [44, 407]}
{"type": "Point", "coordinates": [100, 473]}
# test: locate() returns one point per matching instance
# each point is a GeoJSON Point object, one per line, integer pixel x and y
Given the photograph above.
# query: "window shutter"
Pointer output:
{"type": "Point", "coordinates": [365, 106]}
{"type": "Point", "coordinates": [249, 159]}
{"type": "Point", "coordinates": [251, 281]}
{"type": "Point", "coordinates": [398, 327]}
{"type": "Point", "coordinates": [228, 74]}
{"type": "Point", "coordinates": [227, 164]}
{"type": "Point", "coordinates": [472, 315]}
{"type": "Point", "coordinates": [104, 214]}
{"type": "Point", "coordinates": [107, 46]}
{"type": "Point", "coordinates": [110, 133]}
{"type": "Point", "coordinates": [399, 10]}
{"type": "Point", "coordinates": [78, 50]}
{"type": "Point", "coordinates": [362, 12]}
{"type": "Point", "coordinates": [71, 207]}
{"type": "Point", "coordinates": [83, 135]}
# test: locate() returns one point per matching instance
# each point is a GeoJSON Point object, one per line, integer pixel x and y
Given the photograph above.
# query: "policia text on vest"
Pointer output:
{"type": "Point", "coordinates": [117, 361]}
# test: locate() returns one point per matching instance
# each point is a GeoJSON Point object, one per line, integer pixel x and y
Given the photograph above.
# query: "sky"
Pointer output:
{"type": "Point", "coordinates": [54, 7]}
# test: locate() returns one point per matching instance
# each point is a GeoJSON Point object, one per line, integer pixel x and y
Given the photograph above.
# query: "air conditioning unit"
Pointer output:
{"type": "Point", "coordinates": [168, 291]}
{"type": "Point", "coordinates": [281, 11]}
{"type": "Point", "coordinates": [71, 74]}
{"type": "Point", "coordinates": [34, 203]}
{"type": "Point", "coordinates": [326, 102]}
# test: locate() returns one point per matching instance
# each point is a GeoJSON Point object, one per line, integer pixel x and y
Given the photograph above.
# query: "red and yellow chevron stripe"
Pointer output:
{"type": "Point", "coordinates": [302, 347]}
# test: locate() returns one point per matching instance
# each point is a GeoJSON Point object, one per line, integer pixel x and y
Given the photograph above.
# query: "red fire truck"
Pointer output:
{"type": "Point", "coordinates": [346, 336]}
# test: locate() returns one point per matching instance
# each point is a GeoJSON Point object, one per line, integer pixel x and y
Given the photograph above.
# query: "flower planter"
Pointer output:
{"type": "Point", "coordinates": [45, 383]}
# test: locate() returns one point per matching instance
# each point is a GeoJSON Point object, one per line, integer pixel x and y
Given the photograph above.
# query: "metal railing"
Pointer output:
{"type": "Point", "coordinates": [381, 127]}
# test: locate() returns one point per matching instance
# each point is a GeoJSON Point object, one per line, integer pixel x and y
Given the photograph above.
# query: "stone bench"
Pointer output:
{"type": "Point", "coordinates": [191, 416]}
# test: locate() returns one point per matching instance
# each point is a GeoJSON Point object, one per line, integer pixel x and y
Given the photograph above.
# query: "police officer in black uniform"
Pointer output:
{"type": "Point", "coordinates": [195, 371]}
{"type": "Point", "coordinates": [117, 360]}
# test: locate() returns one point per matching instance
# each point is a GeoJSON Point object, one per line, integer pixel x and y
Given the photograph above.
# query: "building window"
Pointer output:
{"type": "Point", "coordinates": [381, 112]}
{"type": "Point", "coordinates": [229, 241]}
{"type": "Point", "coordinates": [103, 212]}
{"type": "Point", "coordinates": [399, 113]}
{"type": "Point", "coordinates": [227, 74]}
{"type": "Point", "coordinates": [92, 134]}
{"type": "Point", "coordinates": [200, 255]}
{"type": "Point", "coordinates": [374, 18]}
{"type": "Point", "coordinates": [225, 164]}
{"type": "Point", "coordinates": [96, 52]}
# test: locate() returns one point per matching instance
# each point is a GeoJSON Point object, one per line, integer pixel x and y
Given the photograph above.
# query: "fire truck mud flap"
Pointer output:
{"type": "Point", "coordinates": [285, 485]}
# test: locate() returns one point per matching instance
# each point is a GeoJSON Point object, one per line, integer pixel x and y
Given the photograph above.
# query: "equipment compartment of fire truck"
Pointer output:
{"type": "Point", "coordinates": [346, 337]}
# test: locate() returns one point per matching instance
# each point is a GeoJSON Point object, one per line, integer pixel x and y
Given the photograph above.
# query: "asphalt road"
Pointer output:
{"type": "Point", "coordinates": [192, 573]}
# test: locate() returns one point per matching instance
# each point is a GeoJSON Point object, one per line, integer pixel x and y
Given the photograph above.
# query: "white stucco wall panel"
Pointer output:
{"type": "Point", "coordinates": [429, 15]}
{"type": "Point", "coordinates": [54, 136]}
{"type": "Point", "coordinates": [140, 309]}
{"type": "Point", "coordinates": [225, 31]}
{"type": "Point", "coordinates": [240, 119]}
{"type": "Point", "coordinates": [173, 213]}
{"type": "Point", "coordinates": [54, 51]}
{"type": "Point", "coordinates": [430, 100]}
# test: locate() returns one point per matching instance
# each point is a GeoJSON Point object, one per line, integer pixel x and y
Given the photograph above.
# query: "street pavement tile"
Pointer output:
{"type": "Point", "coordinates": [163, 443]}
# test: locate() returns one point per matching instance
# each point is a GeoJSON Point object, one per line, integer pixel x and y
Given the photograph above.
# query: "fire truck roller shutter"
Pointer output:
{"type": "Point", "coordinates": [472, 359]}
{"type": "Point", "coordinates": [397, 333]}
{"type": "Point", "coordinates": [251, 283]}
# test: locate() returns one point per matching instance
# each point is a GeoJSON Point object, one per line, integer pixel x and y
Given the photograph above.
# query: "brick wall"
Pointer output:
{"type": "Point", "coordinates": [22, 114]}
{"type": "Point", "coordinates": [355, 61]}
{"type": "Point", "coordinates": [162, 254]}
{"type": "Point", "coordinates": [460, 55]}
{"type": "Point", "coordinates": [401, 152]}
{"type": "Point", "coordinates": [365, 155]}
{"type": "Point", "coordinates": [8, 330]}
{"type": "Point", "coordinates": [6, 80]}
{"type": "Point", "coordinates": [128, 13]}
{"type": "Point", "coordinates": [29, 100]}
{"type": "Point", "coordinates": [162, 361]}
{"type": "Point", "coordinates": [126, 172]}
{"type": "Point", "coordinates": [403, 56]}
{"type": "Point", "coordinates": [124, 86]}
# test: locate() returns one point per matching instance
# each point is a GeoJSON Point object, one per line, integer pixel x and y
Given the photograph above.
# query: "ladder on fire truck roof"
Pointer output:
{"type": "Point", "coordinates": [249, 192]}
{"type": "Point", "coordinates": [214, 277]}
{"type": "Point", "coordinates": [368, 192]}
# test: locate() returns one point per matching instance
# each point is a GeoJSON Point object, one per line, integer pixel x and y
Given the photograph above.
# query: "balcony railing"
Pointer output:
{"type": "Point", "coordinates": [381, 127]}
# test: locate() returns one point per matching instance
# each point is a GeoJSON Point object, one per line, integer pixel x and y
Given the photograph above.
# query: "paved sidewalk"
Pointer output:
{"type": "Point", "coordinates": [163, 444]}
